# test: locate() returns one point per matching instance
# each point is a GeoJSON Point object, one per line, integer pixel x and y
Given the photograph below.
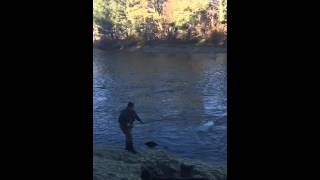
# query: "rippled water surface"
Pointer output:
{"type": "Point", "coordinates": [182, 97]}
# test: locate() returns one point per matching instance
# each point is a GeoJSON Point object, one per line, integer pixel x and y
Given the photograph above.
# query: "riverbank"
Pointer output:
{"type": "Point", "coordinates": [114, 163]}
{"type": "Point", "coordinates": [162, 46]}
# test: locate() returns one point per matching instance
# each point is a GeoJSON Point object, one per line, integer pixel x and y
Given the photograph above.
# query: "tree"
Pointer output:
{"type": "Point", "coordinates": [157, 19]}
{"type": "Point", "coordinates": [222, 10]}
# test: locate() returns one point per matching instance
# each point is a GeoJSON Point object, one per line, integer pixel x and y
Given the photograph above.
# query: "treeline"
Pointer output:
{"type": "Point", "coordinates": [146, 20]}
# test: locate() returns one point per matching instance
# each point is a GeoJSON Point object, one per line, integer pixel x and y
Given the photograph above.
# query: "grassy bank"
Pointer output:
{"type": "Point", "coordinates": [114, 163]}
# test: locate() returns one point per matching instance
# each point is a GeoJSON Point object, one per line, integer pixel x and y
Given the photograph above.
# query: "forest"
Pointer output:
{"type": "Point", "coordinates": [168, 20]}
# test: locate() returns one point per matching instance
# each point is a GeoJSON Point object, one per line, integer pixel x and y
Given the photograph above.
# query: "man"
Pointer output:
{"type": "Point", "coordinates": [126, 119]}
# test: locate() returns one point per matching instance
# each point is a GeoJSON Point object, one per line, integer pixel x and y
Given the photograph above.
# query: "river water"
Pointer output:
{"type": "Point", "coordinates": [182, 97]}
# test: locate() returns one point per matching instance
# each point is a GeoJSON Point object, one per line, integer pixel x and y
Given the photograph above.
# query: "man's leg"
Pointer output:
{"type": "Point", "coordinates": [124, 130]}
{"type": "Point", "coordinates": [129, 141]}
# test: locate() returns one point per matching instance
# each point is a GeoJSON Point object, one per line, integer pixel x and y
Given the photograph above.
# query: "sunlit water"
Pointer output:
{"type": "Point", "coordinates": [182, 97]}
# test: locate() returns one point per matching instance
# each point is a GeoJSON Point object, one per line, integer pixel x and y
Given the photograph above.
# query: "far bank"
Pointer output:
{"type": "Point", "coordinates": [162, 46]}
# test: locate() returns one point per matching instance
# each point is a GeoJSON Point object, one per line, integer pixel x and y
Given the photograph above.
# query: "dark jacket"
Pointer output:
{"type": "Point", "coordinates": [127, 117]}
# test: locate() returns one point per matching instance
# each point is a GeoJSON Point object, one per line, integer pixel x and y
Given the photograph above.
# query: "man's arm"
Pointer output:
{"type": "Point", "coordinates": [137, 117]}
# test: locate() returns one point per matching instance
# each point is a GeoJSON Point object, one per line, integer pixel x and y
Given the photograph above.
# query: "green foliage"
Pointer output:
{"type": "Point", "coordinates": [222, 10]}
{"type": "Point", "coordinates": [184, 10]}
{"type": "Point", "coordinates": [99, 10]}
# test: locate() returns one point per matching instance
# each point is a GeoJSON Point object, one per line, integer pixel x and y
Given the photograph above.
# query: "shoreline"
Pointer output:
{"type": "Point", "coordinates": [111, 162]}
{"type": "Point", "coordinates": [160, 47]}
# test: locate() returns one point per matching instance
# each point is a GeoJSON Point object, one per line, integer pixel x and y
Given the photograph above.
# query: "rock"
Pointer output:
{"type": "Point", "coordinates": [186, 170]}
{"type": "Point", "coordinates": [151, 144]}
{"type": "Point", "coordinates": [180, 178]}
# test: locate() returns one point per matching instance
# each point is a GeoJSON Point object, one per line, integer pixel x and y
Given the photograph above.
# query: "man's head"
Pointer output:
{"type": "Point", "coordinates": [130, 105]}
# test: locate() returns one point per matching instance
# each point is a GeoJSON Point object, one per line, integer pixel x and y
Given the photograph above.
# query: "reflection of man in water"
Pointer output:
{"type": "Point", "coordinates": [126, 118]}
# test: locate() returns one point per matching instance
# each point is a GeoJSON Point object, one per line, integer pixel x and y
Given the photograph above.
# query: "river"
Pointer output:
{"type": "Point", "coordinates": [182, 97]}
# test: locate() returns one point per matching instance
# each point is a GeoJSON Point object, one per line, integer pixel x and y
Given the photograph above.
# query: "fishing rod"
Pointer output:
{"type": "Point", "coordinates": [158, 120]}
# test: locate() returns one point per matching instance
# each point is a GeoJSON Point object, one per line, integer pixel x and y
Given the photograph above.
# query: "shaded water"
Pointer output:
{"type": "Point", "coordinates": [182, 97]}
